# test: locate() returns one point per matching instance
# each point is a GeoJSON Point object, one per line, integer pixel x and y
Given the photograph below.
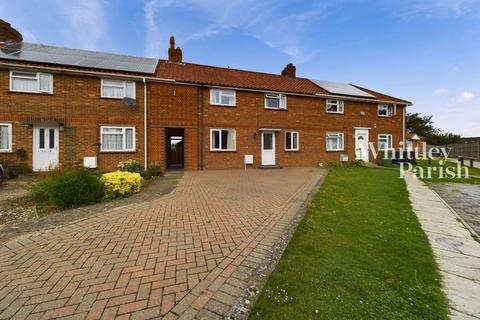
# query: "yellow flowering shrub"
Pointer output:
{"type": "Point", "coordinates": [121, 183]}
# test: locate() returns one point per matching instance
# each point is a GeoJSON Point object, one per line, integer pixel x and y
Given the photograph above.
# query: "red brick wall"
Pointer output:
{"type": "Point", "coordinates": [76, 103]}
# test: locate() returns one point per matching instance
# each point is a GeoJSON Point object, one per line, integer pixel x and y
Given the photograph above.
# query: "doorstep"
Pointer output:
{"type": "Point", "coordinates": [275, 166]}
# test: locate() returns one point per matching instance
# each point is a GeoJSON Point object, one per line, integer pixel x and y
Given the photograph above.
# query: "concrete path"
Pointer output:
{"type": "Point", "coordinates": [185, 255]}
{"type": "Point", "coordinates": [456, 252]}
{"type": "Point", "coordinates": [464, 199]}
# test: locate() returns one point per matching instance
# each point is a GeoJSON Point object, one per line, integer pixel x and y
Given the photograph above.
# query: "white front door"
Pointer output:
{"type": "Point", "coordinates": [361, 144]}
{"type": "Point", "coordinates": [268, 148]}
{"type": "Point", "coordinates": [45, 147]}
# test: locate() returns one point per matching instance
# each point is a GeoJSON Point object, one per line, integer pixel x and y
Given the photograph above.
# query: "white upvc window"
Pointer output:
{"type": "Point", "coordinates": [334, 106]}
{"type": "Point", "coordinates": [118, 89]}
{"type": "Point", "coordinates": [117, 139]}
{"type": "Point", "coordinates": [222, 97]}
{"type": "Point", "coordinates": [5, 137]}
{"type": "Point", "coordinates": [223, 139]}
{"type": "Point", "coordinates": [335, 141]}
{"type": "Point", "coordinates": [386, 110]}
{"type": "Point", "coordinates": [275, 101]}
{"type": "Point", "coordinates": [31, 82]}
{"type": "Point", "coordinates": [385, 142]}
{"type": "Point", "coordinates": [291, 141]}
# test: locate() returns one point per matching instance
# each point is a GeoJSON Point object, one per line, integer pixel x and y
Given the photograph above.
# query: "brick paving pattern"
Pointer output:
{"type": "Point", "coordinates": [464, 199]}
{"type": "Point", "coordinates": [185, 255]}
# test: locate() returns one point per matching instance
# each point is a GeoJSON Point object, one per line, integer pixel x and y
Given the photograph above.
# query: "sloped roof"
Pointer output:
{"type": "Point", "coordinates": [38, 53]}
{"type": "Point", "coordinates": [218, 76]}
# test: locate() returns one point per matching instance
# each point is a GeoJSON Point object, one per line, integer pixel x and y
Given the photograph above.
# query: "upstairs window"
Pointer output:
{"type": "Point", "coordinates": [291, 141]}
{"type": "Point", "coordinates": [334, 141]}
{"type": "Point", "coordinates": [222, 140]}
{"type": "Point", "coordinates": [118, 138]}
{"type": "Point", "coordinates": [222, 97]}
{"type": "Point", "coordinates": [386, 110]}
{"type": "Point", "coordinates": [5, 137]}
{"type": "Point", "coordinates": [275, 101]}
{"type": "Point", "coordinates": [118, 89]}
{"type": "Point", "coordinates": [334, 106]}
{"type": "Point", "coordinates": [384, 142]}
{"type": "Point", "coordinates": [32, 82]}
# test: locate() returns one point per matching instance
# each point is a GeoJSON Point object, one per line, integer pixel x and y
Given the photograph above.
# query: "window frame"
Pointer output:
{"type": "Point", "coordinates": [279, 96]}
{"type": "Point", "coordinates": [387, 105]}
{"type": "Point", "coordinates": [10, 138]}
{"type": "Point", "coordinates": [387, 135]}
{"type": "Point", "coordinates": [124, 86]}
{"type": "Point", "coordinates": [338, 134]}
{"type": "Point", "coordinates": [124, 141]}
{"type": "Point", "coordinates": [212, 102]}
{"type": "Point", "coordinates": [212, 148]}
{"type": "Point", "coordinates": [340, 105]}
{"type": "Point", "coordinates": [37, 78]}
{"type": "Point", "coordinates": [291, 141]}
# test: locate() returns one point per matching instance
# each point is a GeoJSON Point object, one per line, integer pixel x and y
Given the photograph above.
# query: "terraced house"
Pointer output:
{"type": "Point", "coordinates": [61, 107]}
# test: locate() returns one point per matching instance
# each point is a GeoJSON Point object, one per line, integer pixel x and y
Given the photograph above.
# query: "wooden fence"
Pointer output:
{"type": "Point", "coordinates": [466, 149]}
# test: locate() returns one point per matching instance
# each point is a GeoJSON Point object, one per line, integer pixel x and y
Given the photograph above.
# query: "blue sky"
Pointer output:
{"type": "Point", "coordinates": [426, 51]}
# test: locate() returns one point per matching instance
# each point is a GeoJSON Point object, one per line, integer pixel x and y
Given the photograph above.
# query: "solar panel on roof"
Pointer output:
{"type": "Point", "coordinates": [75, 57]}
{"type": "Point", "coordinates": [342, 88]}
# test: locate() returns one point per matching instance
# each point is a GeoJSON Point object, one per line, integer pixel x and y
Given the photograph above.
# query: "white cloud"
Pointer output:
{"type": "Point", "coordinates": [85, 23]}
{"type": "Point", "coordinates": [465, 96]}
{"type": "Point", "coordinates": [438, 8]}
{"type": "Point", "coordinates": [440, 92]}
{"type": "Point", "coordinates": [261, 20]}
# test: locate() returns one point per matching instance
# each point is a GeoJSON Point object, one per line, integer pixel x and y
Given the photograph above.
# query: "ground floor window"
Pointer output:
{"type": "Point", "coordinates": [222, 139]}
{"type": "Point", "coordinates": [291, 141]}
{"type": "Point", "coordinates": [5, 137]}
{"type": "Point", "coordinates": [334, 141]}
{"type": "Point", "coordinates": [384, 142]}
{"type": "Point", "coordinates": [117, 138]}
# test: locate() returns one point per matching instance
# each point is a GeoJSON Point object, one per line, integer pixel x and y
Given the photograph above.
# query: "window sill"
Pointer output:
{"type": "Point", "coordinates": [119, 151]}
{"type": "Point", "coordinates": [223, 105]}
{"type": "Point", "coordinates": [276, 109]}
{"type": "Point", "coordinates": [6, 151]}
{"type": "Point", "coordinates": [385, 116]}
{"type": "Point", "coordinates": [116, 98]}
{"type": "Point", "coordinates": [330, 112]}
{"type": "Point", "coordinates": [297, 150]}
{"type": "Point", "coordinates": [32, 92]}
{"type": "Point", "coordinates": [342, 150]}
{"type": "Point", "coordinates": [223, 150]}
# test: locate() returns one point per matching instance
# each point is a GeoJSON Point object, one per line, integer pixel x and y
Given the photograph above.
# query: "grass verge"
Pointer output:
{"type": "Point", "coordinates": [358, 253]}
{"type": "Point", "coordinates": [473, 173]}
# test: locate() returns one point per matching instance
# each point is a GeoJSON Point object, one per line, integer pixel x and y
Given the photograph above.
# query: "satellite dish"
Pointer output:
{"type": "Point", "coordinates": [132, 103]}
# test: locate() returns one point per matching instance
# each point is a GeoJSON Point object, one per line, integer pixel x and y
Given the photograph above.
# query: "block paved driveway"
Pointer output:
{"type": "Point", "coordinates": [184, 255]}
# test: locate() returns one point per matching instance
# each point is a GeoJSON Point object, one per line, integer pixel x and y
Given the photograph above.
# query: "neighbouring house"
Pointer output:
{"type": "Point", "coordinates": [64, 106]}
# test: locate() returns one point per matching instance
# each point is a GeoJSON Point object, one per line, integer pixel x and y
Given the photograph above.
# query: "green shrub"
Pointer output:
{"type": "Point", "coordinates": [121, 183]}
{"type": "Point", "coordinates": [68, 189]}
{"type": "Point", "coordinates": [154, 170]}
{"type": "Point", "coordinates": [131, 166]}
{"type": "Point", "coordinates": [13, 170]}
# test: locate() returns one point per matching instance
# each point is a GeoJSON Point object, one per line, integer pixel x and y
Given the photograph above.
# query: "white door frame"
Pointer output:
{"type": "Point", "coordinates": [52, 153]}
{"type": "Point", "coordinates": [268, 160]}
{"type": "Point", "coordinates": [363, 132]}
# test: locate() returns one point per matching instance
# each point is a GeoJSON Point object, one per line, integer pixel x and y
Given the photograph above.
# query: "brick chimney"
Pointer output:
{"type": "Point", "coordinates": [174, 54]}
{"type": "Point", "coordinates": [8, 34]}
{"type": "Point", "coordinates": [289, 71]}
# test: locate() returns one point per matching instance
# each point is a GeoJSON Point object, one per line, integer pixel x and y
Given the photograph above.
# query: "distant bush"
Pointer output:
{"type": "Point", "coordinates": [154, 170]}
{"type": "Point", "coordinates": [130, 166]}
{"type": "Point", "coordinates": [121, 183]}
{"type": "Point", "coordinates": [68, 189]}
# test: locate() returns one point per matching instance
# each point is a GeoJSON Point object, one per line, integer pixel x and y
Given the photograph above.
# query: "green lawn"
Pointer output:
{"type": "Point", "coordinates": [474, 173]}
{"type": "Point", "coordinates": [358, 253]}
